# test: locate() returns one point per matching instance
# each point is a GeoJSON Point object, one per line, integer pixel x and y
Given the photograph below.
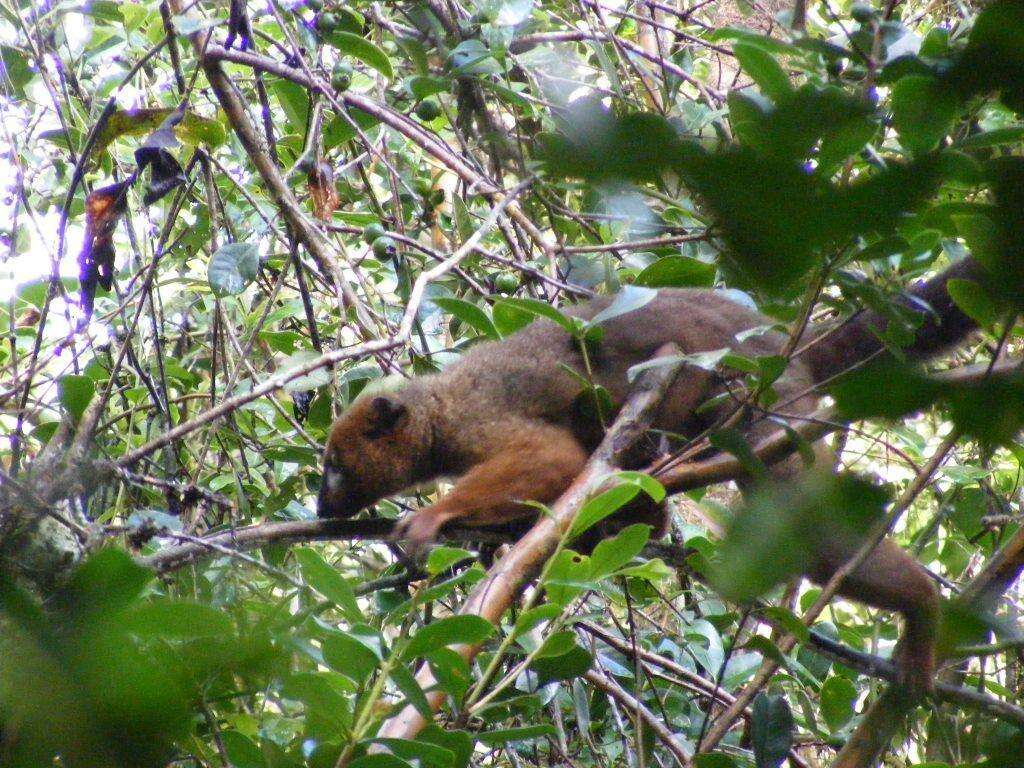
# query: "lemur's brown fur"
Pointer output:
{"type": "Point", "coordinates": [510, 422]}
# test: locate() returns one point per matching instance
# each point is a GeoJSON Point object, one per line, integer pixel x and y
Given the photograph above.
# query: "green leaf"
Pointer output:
{"type": "Point", "coordinates": [442, 558]}
{"type": "Point", "coordinates": [992, 138]}
{"type": "Point", "coordinates": [406, 682]}
{"type": "Point", "coordinates": [232, 268]}
{"type": "Point", "coordinates": [472, 57]}
{"type": "Point", "coordinates": [242, 751]}
{"type": "Point", "coordinates": [470, 314]}
{"type": "Point", "coordinates": [771, 730]}
{"type": "Point", "coordinates": [452, 630]}
{"type": "Point", "coordinates": [338, 130]}
{"type": "Point", "coordinates": [774, 535]}
{"type": "Point", "coordinates": [325, 695]}
{"type": "Point", "coordinates": [380, 761]}
{"type": "Point", "coordinates": [629, 299]}
{"type": "Point", "coordinates": [180, 619]}
{"type": "Point", "coordinates": [601, 506]}
{"type": "Point", "coordinates": [362, 49]}
{"type": "Point", "coordinates": [922, 111]}
{"type": "Point", "coordinates": [348, 655]}
{"type": "Point", "coordinates": [538, 309]}
{"type": "Point", "coordinates": [527, 620]}
{"type": "Point", "coordinates": [419, 752]}
{"type": "Point", "coordinates": [763, 70]}
{"type": "Point", "coordinates": [76, 392]}
{"type": "Point", "coordinates": [677, 272]}
{"type": "Point", "coordinates": [318, 377]}
{"type": "Point", "coordinates": [451, 671]}
{"type": "Point", "coordinates": [423, 86]}
{"type": "Point", "coordinates": [838, 695]}
{"type": "Point", "coordinates": [557, 644]}
{"type": "Point", "coordinates": [326, 580]}
{"type": "Point", "coordinates": [612, 554]}
{"type": "Point", "coordinates": [974, 300]}
{"type": "Point", "coordinates": [16, 68]}
{"type": "Point", "coordinates": [566, 666]}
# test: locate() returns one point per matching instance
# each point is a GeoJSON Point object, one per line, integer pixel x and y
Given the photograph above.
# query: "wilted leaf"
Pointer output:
{"type": "Point", "coordinates": [192, 129]}
{"type": "Point", "coordinates": [155, 154]}
{"type": "Point", "coordinates": [104, 208]}
{"type": "Point", "coordinates": [323, 191]}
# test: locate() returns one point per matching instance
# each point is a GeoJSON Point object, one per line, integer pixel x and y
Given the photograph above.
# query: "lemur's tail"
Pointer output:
{"type": "Point", "coordinates": [834, 350]}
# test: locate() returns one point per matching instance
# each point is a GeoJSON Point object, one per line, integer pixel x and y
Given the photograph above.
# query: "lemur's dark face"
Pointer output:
{"type": "Point", "coordinates": [367, 457]}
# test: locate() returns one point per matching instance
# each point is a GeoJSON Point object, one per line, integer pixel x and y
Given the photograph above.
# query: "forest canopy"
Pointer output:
{"type": "Point", "coordinates": [224, 221]}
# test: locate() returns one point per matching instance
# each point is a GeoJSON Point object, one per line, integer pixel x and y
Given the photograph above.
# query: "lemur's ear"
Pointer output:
{"type": "Point", "coordinates": [385, 415]}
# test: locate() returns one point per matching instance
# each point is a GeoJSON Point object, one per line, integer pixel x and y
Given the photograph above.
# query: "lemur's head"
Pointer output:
{"type": "Point", "coordinates": [372, 452]}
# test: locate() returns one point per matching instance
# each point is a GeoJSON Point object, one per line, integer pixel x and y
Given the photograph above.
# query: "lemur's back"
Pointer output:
{"type": "Point", "coordinates": [529, 372]}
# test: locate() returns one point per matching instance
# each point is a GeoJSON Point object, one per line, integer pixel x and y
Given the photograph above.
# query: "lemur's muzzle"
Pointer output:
{"type": "Point", "coordinates": [338, 497]}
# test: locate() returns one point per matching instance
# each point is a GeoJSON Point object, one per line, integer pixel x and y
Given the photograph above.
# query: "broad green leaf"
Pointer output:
{"type": "Point", "coordinates": [406, 682]}
{"type": "Point", "coordinates": [838, 695]}
{"type": "Point", "coordinates": [326, 580]}
{"type": "Point", "coordinates": [338, 130]}
{"type": "Point", "coordinates": [771, 730]}
{"type": "Point", "coordinates": [442, 558]}
{"type": "Point", "coordinates": [536, 308]}
{"type": "Point", "coordinates": [764, 70]}
{"type": "Point", "coordinates": [601, 506]}
{"type": "Point", "coordinates": [381, 760]}
{"type": "Point", "coordinates": [677, 272]}
{"type": "Point", "coordinates": [922, 110]}
{"type": "Point", "coordinates": [565, 666]}
{"type": "Point", "coordinates": [242, 751]}
{"type": "Point", "coordinates": [348, 655]}
{"type": "Point", "coordinates": [362, 49]}
{"type": "Point", "coordinates": [318, 377]}
{"type": "Point", "coordinates": [453, 630]}
{"type": "Point", "coordinates": [232, 268]}
{"type": "Point", "coordinates": [629, 299]}
{"type": "Point", "coordinates": [774, 535]}
{"type": "Point", "coordinates": [974, 300]}
{"type": "Point", "coordinates": [419, 752]}
{"type": "Point", "coordinates": [469, 313]}
{"type": "Point", "coordinates": [76, 392]}
{"type": "Point", "coordinates": [451, 671]}
{"type": "Point", "coordinates": [166, 619]}
{"type": "Point", "coordinates": [193, 129]}
{"type": "Point", "coordinates": [612, 554]}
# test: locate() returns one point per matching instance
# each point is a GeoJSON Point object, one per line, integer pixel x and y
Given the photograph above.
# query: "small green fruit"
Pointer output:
{"type": "Point", "coordinates": [506, 282]}
{"type": "Point", "coordinates": [341, 77]}
{"type": "Point", "coordinates": [428, 110]}
{"type": "Point", "coordinates": [372, 231]}
{"type": "Point", "coordinates": [384, 247]}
